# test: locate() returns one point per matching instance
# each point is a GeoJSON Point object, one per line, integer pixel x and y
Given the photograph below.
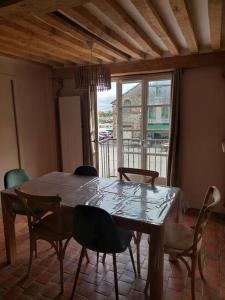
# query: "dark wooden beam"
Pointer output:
{"type": "Point", "coordinates": [168, 63]}
{"type": "Point", "coordinates": [156, 65]}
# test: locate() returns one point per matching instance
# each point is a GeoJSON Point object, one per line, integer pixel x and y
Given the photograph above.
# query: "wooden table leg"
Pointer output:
{"type": "Point", "coordinates": [155, 264]}
{"type": "Point", "coordinates": [9, 229]}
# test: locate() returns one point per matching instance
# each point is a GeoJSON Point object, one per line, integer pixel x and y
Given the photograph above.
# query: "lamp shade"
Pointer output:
{"type": "Point", "coordinates": [93, 76]}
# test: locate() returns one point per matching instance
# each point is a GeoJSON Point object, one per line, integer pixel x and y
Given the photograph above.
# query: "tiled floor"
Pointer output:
{"type": "Point", "coordinates": [98, 283]}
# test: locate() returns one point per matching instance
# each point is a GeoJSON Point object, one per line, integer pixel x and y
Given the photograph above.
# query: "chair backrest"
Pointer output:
{"type": "Point", "coordinates": [15, 177]}
{"type": "Point", "coordinates": [212, 198]}
{"type": "Point", "coordinates": [86, 171]}
{"type": "Point", "coordinates": [95, 229]}
{"type": "Point", "coordinates": [152, 175]}
{"type": "Point", "coordinates": [47, 204]}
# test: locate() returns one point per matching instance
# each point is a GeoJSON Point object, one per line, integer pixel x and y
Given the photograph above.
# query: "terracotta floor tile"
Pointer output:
{"type": "Point", "coordinates": [134, 295]}
{"type": "Point", "coordinates": [105, 288]}
{"type": "Point", "coordinates": [96, 282]}
{"type": "Point", "coordinates": [14, 293]}
{"type": "Point", "coordinates": [51, 290]}
{"type": "Point", "coordinates": [33, 289]}
{"type": "Point", "coordinates": [139, 285]}
{"type": "Point", "coordinates": [97, 296]}
{"type": "Point", "coordinates": [44, 277]}
{"type": "Point", "coordinates": [86, 289]}
{"type": "Point", "coordinates": [124, 288]}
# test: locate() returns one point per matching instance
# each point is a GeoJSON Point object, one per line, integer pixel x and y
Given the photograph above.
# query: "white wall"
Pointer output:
{"type": "Point", "coordinates": [202, 162]}
{"type": "Point", "coordinates": [35, 115]}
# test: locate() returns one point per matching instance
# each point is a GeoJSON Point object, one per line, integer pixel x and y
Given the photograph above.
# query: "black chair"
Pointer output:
{"type": "Point", "coordinates": [96, 230]}
{"type": "Point", "coordinates": [86, 171]}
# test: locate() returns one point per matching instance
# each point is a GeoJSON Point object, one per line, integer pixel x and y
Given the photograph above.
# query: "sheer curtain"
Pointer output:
{"type": "Point", "coordinates": [89, 127]}
{"type": "Point", "coordinates": [172, 169]}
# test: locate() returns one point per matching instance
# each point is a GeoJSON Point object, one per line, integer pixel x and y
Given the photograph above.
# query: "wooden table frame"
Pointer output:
{"type": "Point", "coordinates": [155, 248]}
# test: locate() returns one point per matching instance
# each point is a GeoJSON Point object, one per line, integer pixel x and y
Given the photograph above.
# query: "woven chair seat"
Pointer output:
{"type": "Point", "coordinates": [178, 237]}
{"type": "Point", "coordinates": [43, 230]}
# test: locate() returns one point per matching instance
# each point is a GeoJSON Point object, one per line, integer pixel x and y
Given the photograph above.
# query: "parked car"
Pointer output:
{"type": "Point", "coordinates": [104, 135]}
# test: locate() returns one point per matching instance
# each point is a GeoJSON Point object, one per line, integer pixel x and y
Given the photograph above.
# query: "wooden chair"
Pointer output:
{"type": "Point", "coordinates": [147, 176]}
{"type": "Point", "coordinates": [186, 242]}
{"type": "Point", "coordinates": [96, 230]}
{"type": "Point", "coordinates": [13, 178]}
{"type": "Point", "coordinates": [55, 225]}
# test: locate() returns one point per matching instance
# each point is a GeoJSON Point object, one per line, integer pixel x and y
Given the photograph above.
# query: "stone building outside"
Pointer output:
{"type": "Point", "coordinates": [158, 114]}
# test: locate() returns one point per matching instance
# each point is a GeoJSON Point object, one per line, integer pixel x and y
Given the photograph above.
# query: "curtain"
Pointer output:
{"type": "Point", "coordinates": [89, 127]}
{"type": "Point", "coordinates": [93, 127]}
{"type": "Point", "coordinates": [173, 157]}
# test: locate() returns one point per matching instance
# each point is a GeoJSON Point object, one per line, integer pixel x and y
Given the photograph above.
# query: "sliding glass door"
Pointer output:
{"type": "Point", "coordinates": [140, 124]}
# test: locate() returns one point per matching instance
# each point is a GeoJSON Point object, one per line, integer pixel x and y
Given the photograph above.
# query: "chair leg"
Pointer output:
{"type": "Point", "coordinates": [148, 279]}
{"type": "Point", "coordinates": [60, 249]}
{"type": "Point", "coordinates": [193, 268]}
{"type": "Point", "coordinates": [132, 260]}
{"type": "Point", "coordinates": [200, 266]}
{"type": "Point", "coordinates": [103, 258]}
{"type": "Point", "coordinates": [148, 276]}
{"type": "Point", "coordinates": [97, 257]}
{"type": "Point", "coordinates": [138, 241]}
{"type": "Point", "coordinates": [78, 270]}
{"type": "Point", "coordinates": [115, 276]}
{"type": "Point", "coordinates": [32, 247]}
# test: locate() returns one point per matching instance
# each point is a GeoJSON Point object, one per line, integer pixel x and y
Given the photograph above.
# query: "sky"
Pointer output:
{"type": "Point", "coordinates": [105, 98]}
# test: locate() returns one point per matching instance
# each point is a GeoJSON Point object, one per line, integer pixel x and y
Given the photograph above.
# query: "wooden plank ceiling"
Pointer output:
{"type": "Point", "coordinates": [60, 33]}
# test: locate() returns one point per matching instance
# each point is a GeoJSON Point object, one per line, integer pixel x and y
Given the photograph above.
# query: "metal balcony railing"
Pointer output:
{"type": "Point", "coordinates": [155, 152]}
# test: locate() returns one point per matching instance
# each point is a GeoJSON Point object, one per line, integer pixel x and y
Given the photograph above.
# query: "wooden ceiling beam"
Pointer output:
{"type": "Point", "coordinates": [17, 45]}
{"type": "Point", "coordinates": [169, 63]}
{"type": "Point", "coordinates": [41, 42]}
{"type": "Point", "coordinates": [8, 51]}
{"type": "Point", "coordinates": [215, 21]}
{"type": "Point", "coordinates": [74, 31]}
{"type": "Point", "coordinates": [33, 43]}
{"type": "Point", "coordinates": [54, 41]}
{"type": "Point", "coordinates": [163, 24]}
{"type": "Point", "coordinates": [147, 13]}
{"type": "Point", "coordinates": [69, 40]}
{"type": "Point", "coordinates": [120, 17]}
{"type": "Point", "coordinates": [24, 7]}
{"type": "Point", "coordinates": [83, 16]}
{"type": "Point", "coordinates": [184, 19]}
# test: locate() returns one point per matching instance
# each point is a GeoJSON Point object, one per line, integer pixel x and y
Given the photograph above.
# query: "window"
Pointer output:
{"type": "Point", "coordinates": [140, 118]}
{"type": "Point", "coordinates": [127, 102]}
{"type": "Point", "coordinates": [165, 112]}
{"type": "Point", "coordinates": [152, 113]}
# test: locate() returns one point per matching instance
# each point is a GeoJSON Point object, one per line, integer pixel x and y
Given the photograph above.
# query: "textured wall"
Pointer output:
{"type": "Point", "coordinates": [34, 108]}
{"type": "Point", "coordinates": [202, 162]}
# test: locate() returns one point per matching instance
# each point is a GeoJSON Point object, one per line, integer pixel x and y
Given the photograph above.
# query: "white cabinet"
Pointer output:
{"type": "Point", "coordinates": [70, 132]}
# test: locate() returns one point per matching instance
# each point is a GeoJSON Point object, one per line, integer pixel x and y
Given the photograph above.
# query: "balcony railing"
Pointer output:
{"type": "Point", "coordinates": [132, 151]}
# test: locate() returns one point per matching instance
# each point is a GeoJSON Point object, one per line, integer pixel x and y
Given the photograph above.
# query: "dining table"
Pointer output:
{"type": "Point", "coordinates": [134, 206]}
